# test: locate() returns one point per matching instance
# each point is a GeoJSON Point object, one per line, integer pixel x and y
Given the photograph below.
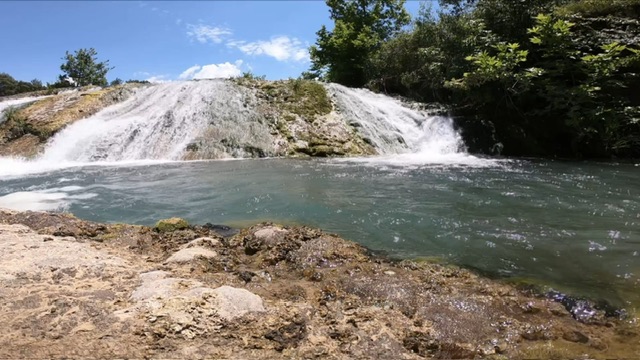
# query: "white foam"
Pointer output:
{"type": "Point", "coordinates": [58, 198]}
{"type": "Point", "coordinates": [34, 200]}
{"type": "Point", "coordinates": [427, 159]}
{"type": "Point", "coordinates": [17, 167]}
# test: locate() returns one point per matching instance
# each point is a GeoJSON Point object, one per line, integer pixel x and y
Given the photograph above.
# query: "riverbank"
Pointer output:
{"type": "Point", "coordinates": [77, 288]}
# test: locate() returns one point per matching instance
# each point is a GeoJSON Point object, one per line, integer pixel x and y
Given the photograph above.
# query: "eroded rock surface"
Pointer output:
{"type": "Point", "coordinates": [72, 288]}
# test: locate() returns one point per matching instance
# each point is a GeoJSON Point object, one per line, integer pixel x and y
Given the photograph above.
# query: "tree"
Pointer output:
{"type": "Point", "coordinates": [360, 27]}
{"type": "Point", "coordinates": [83, 67]}
{"type": "Point", "coordinates": [11, 86]}
{"type": "Point", "coordinates": [116, 82]}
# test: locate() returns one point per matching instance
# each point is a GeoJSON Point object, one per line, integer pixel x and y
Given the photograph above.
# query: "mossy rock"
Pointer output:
{"type": "Point", "coordinates": [173, 224]}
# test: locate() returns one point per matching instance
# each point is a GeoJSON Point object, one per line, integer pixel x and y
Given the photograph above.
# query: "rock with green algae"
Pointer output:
{"type": "Point", "coordinates": [172, 224]}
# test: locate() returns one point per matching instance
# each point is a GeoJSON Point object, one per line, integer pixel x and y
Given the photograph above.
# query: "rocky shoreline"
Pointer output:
{"type": "Point", "coordinates": [74, 288]}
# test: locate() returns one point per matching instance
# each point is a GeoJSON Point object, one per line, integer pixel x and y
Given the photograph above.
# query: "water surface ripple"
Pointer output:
{"type": "Point", "coordinates": [574, 226]}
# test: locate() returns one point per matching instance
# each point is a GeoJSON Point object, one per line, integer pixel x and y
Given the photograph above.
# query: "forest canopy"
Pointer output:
{"type": "Point", "coordinates": [537, 77]}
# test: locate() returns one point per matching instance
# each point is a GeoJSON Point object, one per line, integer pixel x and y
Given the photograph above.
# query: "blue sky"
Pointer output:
{"type": "Point", "coordinates": [163, 40]}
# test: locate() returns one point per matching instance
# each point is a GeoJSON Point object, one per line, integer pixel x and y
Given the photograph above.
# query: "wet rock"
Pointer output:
{"type": "Point", "coordinates": [222, 230]}
{"type": "Point", "coordinates": [289, 335]}
{"type": "Point", "coordinates": [421, 344]}
{"type": "Point", "coordinates": [246, 275]}
{"type": "Point", "coordinates": [581, 309]}
{"type": "Point", "coordinates": [532, 308]}
{"type": "Point", "coordinates": [598, 344]}
{"type": "Point", "coordinates": [537, 333]}
{"type": "Point", "coordinates": [575, 336]}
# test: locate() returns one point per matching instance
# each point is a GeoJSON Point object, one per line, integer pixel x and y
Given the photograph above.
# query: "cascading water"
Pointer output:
{"type": "Point", "coordinates": [403, 136]}
{"type": "Point", "coordinates": [223, 120]}
{"type": "Point", "coordinates": [159, 122]}
{"type": "Point", "coordinates": [392, 127]}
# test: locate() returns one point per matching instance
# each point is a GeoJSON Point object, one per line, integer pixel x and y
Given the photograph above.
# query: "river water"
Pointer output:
{"type": "Point", "coordinates": [574, 226]}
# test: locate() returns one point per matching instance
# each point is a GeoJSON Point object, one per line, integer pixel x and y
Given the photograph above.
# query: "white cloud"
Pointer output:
{"type": "Point", "coordinates": [188, 74]}
{"type": "Point", "coordinates": [212, 71]}
{"type": "Point", "coordinates": [204, 33]}
{"type": "Point", "coordinates": [282, 48]}
{"type": "Point", "coordinates": [178, 22]}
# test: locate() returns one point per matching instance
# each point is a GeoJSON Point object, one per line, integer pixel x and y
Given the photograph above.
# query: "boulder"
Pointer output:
{"type": "Point", "coordinates": [189, 254]}
{"type": "Point", "coordinates": [233, 302]}
{"type": "Point", "coordinates": [270, 234]}
{"type": "Point", "coordinates": [172, 224]}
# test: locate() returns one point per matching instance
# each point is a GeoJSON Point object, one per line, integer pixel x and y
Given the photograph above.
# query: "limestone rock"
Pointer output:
{"type": "Point", "coordinates": [270, 234]}
{"type": "Point", "coordinates": [234, 302]}
{"type": "Point", "coordinates": [28, 255]}
{"type": "Point", "coordinates": [190, 254]}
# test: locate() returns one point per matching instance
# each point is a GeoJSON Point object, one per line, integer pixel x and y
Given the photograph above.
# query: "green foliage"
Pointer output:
{"type": "Point", "coordinates": [600, 8]}
{"type": "Point", "coordinates": [496, 68]}
{"type": "Point", "coordinates": [508, 19]}
{"type": "Point", "coordinates": [116, 82]}
{"type": "Point", "coordinates": [134, 81]}
{"type": "Point", "coordinates": [11, 86]}
{"type": "Point", "coordinates": [248, 75]}
{"type": "Point", "coordinates": [419, 62]}
{"type": "Point", "coordinates": [360, 27]}
{"type": "Point", "coordinates": [571, 95]}
{"type": "Point", "coordinates": [84, 68]}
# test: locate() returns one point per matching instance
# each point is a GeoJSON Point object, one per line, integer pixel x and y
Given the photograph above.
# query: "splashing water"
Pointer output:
{"type": "Point", "coordinates": [403, 136]}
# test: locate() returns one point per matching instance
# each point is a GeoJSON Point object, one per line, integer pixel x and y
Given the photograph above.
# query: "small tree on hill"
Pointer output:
{"type": "Point", "coordinates": [84, 68]}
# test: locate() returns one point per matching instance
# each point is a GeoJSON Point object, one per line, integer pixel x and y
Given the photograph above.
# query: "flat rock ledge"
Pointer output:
{"type": "Point", "coordinates": [75, 289]}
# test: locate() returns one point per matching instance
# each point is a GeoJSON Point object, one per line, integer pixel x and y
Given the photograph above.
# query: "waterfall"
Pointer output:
{"type": "Point", "coordinates": [221, 119]}
{"type": "Point", "coordinates": [392, 127]}
{"type": "Point", "coordinates": [160, 121]}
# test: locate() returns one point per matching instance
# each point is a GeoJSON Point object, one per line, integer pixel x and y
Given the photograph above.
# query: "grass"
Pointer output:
{"type": "Point", "coordinates": [308, 99]}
